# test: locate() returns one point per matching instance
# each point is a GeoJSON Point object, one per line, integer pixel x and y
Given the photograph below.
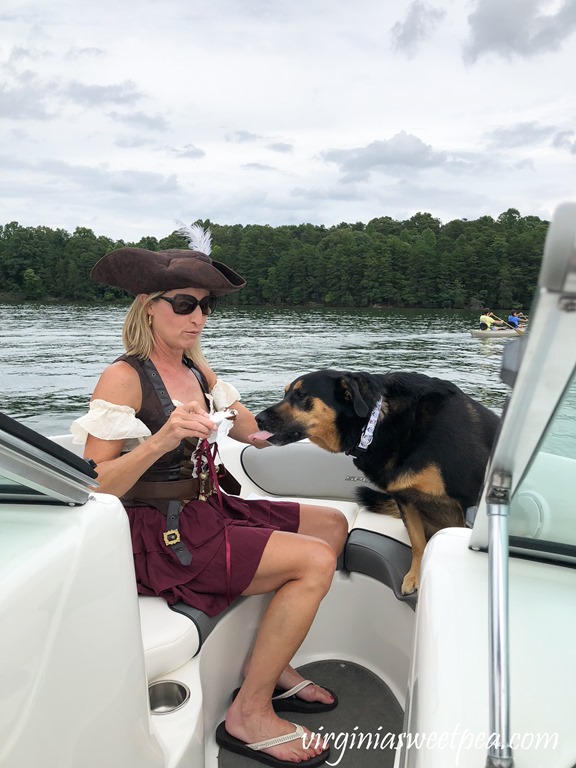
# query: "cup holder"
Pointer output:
{"type": "Point", "coordinates": [166, 696]}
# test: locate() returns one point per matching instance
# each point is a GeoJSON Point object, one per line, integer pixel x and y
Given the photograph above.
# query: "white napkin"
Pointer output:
{"type": "Point", "coordinates": [224, 421]}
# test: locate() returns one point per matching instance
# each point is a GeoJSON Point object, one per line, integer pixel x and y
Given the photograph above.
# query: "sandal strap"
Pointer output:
{"type": "Point", "coordinates": [267, 743]}
{"type": "Point", "coordinates": [294, 690]}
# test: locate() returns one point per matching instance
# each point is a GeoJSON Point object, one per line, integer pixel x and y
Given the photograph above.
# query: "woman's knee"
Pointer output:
{"type": "Point", "coordinates": [335, 518]}
{"type": "Point", "coordinates": [318, 562]}
{"type": "Point", "coordinates": [293, 557]}
{"type": "Point", "coordinates": [340, 524]}
{"type": "Point", "coordinates": [324, 522]}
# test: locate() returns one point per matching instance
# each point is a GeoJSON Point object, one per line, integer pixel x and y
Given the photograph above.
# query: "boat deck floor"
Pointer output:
{"type": "Point", "coordinates": [361, 730]}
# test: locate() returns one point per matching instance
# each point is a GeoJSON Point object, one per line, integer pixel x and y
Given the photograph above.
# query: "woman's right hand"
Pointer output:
{"type": "Point", "coordinates": [186, 421]}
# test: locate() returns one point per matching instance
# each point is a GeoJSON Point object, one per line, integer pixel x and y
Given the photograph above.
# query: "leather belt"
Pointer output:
{"type": "Point", "coordinates": [171, 489]}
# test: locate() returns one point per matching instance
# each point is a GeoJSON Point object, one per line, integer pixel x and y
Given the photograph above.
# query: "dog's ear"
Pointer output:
{"type": "Point", "coordinates": [351, 391]}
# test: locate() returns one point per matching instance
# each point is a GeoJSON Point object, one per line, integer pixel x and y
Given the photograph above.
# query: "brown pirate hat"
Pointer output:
{"type": "Point", "coordinates": [137, 270]}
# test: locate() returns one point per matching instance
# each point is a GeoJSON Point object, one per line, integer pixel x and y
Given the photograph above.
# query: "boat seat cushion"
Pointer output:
{"type": "Point", "coordinates": [172, 635]}
{"type": "Point", "coordinates": [386, 525]}
{"type": "Point", "coordinates": [301, 469]}
{"type": "Point", "coordinates": [170, 639]}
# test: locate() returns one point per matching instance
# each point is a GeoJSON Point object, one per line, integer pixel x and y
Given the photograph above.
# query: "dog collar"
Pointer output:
{"type": "Point", "coordinates": [368, 432]}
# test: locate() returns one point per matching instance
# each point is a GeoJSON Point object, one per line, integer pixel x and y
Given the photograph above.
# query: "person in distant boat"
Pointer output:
{"type": "Point", "coordinates": [487, 320]}
{"type": "Point", "coordinates": [154, 417]}
{"type": "Point", "coordinates": [513, 319]}
{"type": "Point", "coordinates": [521, 318]}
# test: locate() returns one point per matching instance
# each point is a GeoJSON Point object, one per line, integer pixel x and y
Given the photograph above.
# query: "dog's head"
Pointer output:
{"type": "Point", "coordinates": [327, 407]}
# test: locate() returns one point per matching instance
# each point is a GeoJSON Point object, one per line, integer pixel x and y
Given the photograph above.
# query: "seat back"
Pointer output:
{"type": "Point", "coordinates": [302, 469]}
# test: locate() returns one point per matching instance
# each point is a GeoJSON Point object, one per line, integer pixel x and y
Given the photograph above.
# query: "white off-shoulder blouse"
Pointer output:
{"type": "Point", "coordinates": [108, 421]}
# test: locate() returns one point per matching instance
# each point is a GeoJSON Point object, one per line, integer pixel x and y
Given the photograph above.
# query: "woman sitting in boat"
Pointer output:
{"type": "Point", "coordinates": [150, 431]}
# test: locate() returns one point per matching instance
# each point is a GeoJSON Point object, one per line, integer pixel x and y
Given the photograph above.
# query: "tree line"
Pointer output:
{"type": "Point", "coordinates": [419, 262]}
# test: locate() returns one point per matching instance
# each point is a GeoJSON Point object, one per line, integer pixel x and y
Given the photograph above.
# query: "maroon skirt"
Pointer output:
{"type": "Point", "coordinates": [225, 538]}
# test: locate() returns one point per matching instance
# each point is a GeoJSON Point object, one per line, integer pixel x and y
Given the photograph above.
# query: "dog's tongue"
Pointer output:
{"type": "Point", "coordinates": [263, 435]}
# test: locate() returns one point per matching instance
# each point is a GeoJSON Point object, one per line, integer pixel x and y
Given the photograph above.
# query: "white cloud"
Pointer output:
{"type": "Point", "coordinates": [140, 120]}
{"type": "Point", "coordinates": [395, 156]}
{"type": "Point", "coordinates": [96, 95]}
{"type": "Point", "coordinates": [520, 135]}
{"type": "Point", "coordinates": [519, 27]}
{"type": "Point", "coordinates": [280, 146]}
{"type": "Point", "coordinates": [419, 24]}
{"type": "Point", "coordinates": [565, 140]}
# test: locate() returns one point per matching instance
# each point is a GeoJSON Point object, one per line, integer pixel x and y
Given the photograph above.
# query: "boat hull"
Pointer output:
{"type": "Point", "coordinates": [507, 334]}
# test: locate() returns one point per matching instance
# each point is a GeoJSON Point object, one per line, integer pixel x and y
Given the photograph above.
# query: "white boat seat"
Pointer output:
{"type": "Point", "coordinates": [301, 469]}
{"type": "Point", "coordinates": [172, 635]}
{"type": "Point", "coordinates": [169, 638]}
{"type": "Point", "coordinates": [383, 524]}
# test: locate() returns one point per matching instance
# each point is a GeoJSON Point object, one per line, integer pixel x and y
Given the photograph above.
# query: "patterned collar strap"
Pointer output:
{"type": "Point", "coordinates": [368, 432]}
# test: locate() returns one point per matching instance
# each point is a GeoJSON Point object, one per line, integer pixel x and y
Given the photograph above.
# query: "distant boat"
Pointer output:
{"type": "Point", "coordinates": [505, 333]}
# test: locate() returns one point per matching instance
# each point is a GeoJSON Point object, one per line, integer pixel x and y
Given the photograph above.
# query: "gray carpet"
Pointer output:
{"type": "Point", "coordinates": [359, 729]}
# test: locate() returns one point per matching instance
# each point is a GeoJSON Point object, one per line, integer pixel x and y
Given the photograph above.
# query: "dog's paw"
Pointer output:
{"type": "Point", "coordinates": [410, 583]}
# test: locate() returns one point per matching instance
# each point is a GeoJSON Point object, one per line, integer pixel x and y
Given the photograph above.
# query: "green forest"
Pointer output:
{"type": "Point", "coordinates": [419, 262]}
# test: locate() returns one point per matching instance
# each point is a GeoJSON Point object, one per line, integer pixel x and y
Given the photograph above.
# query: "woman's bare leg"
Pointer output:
{"type": "Point", "coordinates": [326, 523]}
{"type": "Point", "coordinates": [330, 525]}
{"type": "Point", "coordinates": [299, 569]}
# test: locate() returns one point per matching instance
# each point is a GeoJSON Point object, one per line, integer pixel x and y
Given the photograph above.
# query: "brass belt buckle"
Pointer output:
{"type": "Point", "coordinates": [171, 537]}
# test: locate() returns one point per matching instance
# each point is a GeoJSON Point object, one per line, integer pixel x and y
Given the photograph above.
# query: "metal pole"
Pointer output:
{"type": "Point", "coordinates": [498, 508]}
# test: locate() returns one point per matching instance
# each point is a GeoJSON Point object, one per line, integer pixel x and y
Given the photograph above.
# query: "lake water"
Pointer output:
{"type": "Point", "coordinates": [52, 355]}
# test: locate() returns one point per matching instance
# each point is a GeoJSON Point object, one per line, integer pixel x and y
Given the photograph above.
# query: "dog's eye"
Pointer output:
{"type": "Point", "coordinates": [301, 400]}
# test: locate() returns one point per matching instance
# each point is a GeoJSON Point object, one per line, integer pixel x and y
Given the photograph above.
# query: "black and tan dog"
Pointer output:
{"type": "Point", "coordinates": [421, 440]}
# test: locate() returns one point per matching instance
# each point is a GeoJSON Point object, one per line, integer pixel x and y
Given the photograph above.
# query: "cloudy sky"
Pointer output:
{"type": "Point", "coordinates": [124, 115]}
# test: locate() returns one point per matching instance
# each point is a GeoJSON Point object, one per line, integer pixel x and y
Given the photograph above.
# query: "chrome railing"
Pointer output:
{"type": "Point", "coordinates": [498, 506]}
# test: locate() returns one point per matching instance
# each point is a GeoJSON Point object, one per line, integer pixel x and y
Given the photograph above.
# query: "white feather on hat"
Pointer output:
{"type": "Point", "coordinates": [199, 239]}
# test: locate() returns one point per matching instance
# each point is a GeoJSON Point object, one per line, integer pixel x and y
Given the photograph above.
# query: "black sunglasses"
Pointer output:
{"type": "Point", "coordinates": [182, 304]}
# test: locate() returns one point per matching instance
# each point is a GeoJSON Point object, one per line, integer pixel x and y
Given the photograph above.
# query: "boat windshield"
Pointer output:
{"type": "Point", "coordinates": [533, 462]}
{"type": "Point", "coordinates": [543, 505]}
{"type": "Point", "coordinates": [35, 469]}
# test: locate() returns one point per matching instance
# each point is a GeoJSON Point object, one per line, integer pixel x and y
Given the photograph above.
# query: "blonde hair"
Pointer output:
{"type": "Point", "coordinates": [137, 335]}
